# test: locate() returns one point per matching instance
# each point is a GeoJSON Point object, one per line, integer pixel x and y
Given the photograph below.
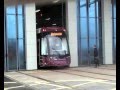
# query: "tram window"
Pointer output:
{"type": "Point", "coordinates": [44, 50]}
{"type": "Point", "coordinates": [64, 45]}
{"type": "Point", "coordinates": [58, 45]}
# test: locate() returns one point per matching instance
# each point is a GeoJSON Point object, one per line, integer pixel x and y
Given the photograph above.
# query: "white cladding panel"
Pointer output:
{"type": "Point", "coordinates": [71, 9]}
{"type": "Point", "coordinates": [107, 31]}
{"type": "Point", "coordinates": [30, 33]}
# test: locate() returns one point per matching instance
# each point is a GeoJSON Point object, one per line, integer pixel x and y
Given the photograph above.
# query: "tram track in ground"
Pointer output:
{"type": "Point", "coordinates": [107, 68]}
{"type": "Point", "coordinates": [62, 85]}
{"type": "Point", "coordinates": [64, 71]}
{"type": "Point", "coordinates": [61, 70]}
{"type": "Point", "coordinates": [58, 71]}
{"type": "Point", "coordinates": [49, 81]}
{"type": "Point", "coordinates": [84, 75]}
{"type": "Point", "coordinates": [93, 72]}
{"type": "Point", "coordinates": [83, 71]}
{"type": "Point", "coordinates": [100, 67]}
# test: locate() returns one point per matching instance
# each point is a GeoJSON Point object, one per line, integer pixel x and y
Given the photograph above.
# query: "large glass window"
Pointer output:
{"type": "Point", "coordinates": [84, 31]}
{"type": "Point", "coordinates": [89, 30]}
{"type": "Point", "coordinates": [11, 26]}
{"type": "Point", "coordinates": [15, 48]}
{"type": "Point", "coordinates": [11, 10]}
{"type": "Point", "coordinates": [12, 54]}
{"type": "Point", "coordinates": [20, 26]}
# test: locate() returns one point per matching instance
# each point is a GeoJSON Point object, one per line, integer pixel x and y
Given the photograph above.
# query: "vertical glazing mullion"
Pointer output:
{"type": "Point", "coordinates": [96, 24]}
{"type": "Point", "coordinates": [100, 29]}
{"type": "Point", "coordinates": [5, 42]}
{"type": "Point", "coordinates": [23, 14]}
{"type": "Point", "coordinates": [17, 50]}
{"type": "Point", "coordinates": [79, 34]}
{"type": "Point", "coordinates": [7, 60]}
{"type": "Point", "coordinates": [88, 30]}
{"type": "Point", "coordinates": [113, 28]}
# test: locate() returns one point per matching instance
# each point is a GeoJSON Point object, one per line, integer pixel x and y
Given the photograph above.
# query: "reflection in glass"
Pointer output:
{"type": "Point", "coordinates": [12, 57]}
{"type": "Point", "coordinates": [44, 49]}
{"type": "Point", "coordinates": [11, 26]}
{"type": "Point", "coordinates": [83, 11]}
{"type": "Point", "coordinates": [114, 27]}
{"type": "Point", "coordinates": [83, 25]}
{"type": "Point", "coordinates": [114, 31]}
{"type": "Point", "coordinates": [14, 31]}
{"type": "Point", "coordinates": [92, 10]}
{"type": "Point", "coordinates": [91, 1]}
{"type": "Point", "coordinates": [97, 9]}
{"type": "Point", "coordinates": [21, 54]}
{"type": "Point", "coordinates": [84, 51]}
{"type": "Point", "coordinates": [99, 45]}
{"type": "Point", "coordinates": [90, 30]}
{"type": "Point", "coordinates": [92, 25]}
{"type": "Point", "coordinates": [20, 26]}
{"type": "Point", "coordinates": [92, 42]}
{"type": "Point", "coordinates": [19, 11]}
{"type": "Point", "coordinates": [82, 2]}
{"type": "Point", "coordinates": [114, 40]}
{"type": "Point", "coordinates": [98, 29]}
{"type": "Point", "coordinates": [10, 10]}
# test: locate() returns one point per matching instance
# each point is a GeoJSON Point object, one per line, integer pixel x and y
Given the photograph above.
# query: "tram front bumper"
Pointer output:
{"type": "Point", "coordinates": [58, 63]}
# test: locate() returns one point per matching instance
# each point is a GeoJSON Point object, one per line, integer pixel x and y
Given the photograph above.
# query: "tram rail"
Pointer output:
{"type": "Point", "coordinates": [86, 74]}
{"type": "Point", "coordinates": [93, 72]}
{"type": "Point", "coordinates": [65, 71]}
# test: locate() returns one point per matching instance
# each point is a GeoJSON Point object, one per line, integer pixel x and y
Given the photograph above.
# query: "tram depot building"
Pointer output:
{"type": "Point", "coordinates": [88, 23]}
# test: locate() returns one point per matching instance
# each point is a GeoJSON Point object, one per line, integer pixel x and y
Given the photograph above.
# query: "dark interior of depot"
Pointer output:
{"type": "Point", "coordinates": [51, 15]}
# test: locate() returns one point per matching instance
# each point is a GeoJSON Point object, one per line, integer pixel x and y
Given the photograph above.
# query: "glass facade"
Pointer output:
{"type": "Point", "coordinates": [89, 30]}
{"type": "Point", "coordinates": [14, 38]}
{"type": "Point", "coordinates": [114, 30]}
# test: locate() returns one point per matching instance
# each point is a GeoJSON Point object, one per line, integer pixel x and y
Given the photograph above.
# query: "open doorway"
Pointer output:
{"type": "Point", "coordinates": [52, 14]}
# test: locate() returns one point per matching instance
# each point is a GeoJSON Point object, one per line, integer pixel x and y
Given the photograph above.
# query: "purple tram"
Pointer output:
{"type": "Point", "coordinates": [52, 47]}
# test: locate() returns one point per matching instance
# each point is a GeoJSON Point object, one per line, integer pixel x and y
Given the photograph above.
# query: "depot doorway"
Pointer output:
{"type": "Point", "coordinates": [49, 15]}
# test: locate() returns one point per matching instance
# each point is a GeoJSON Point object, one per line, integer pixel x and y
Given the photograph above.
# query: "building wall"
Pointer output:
{"type": "Point", "coordinates": [30, 37]}
{"type": "Point", "coordinates": [71, 10]}
{"type": "Point", "coordinates": [107, 31]}
{"type": "Point", "coordinates": [71, 14]}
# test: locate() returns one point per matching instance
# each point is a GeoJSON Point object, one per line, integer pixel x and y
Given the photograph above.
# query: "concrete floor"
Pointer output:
{"type": "Point", "coordinates": [13, 85]}
{"type": "Point", "coordinates": [80, 78]}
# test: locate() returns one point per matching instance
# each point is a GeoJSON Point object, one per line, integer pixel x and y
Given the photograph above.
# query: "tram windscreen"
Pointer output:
{"type": "Point", "coordinates": [54, 43]}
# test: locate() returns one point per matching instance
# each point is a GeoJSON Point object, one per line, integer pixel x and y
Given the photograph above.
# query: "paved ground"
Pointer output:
{"type": "Point", "coordinates": [81, 78]}
{"type": "Point", "coordinates": [13, 85]}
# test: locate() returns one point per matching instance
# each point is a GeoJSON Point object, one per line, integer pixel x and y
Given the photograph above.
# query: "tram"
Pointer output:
{"type": "Point", "coordinates": [52, 47]}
